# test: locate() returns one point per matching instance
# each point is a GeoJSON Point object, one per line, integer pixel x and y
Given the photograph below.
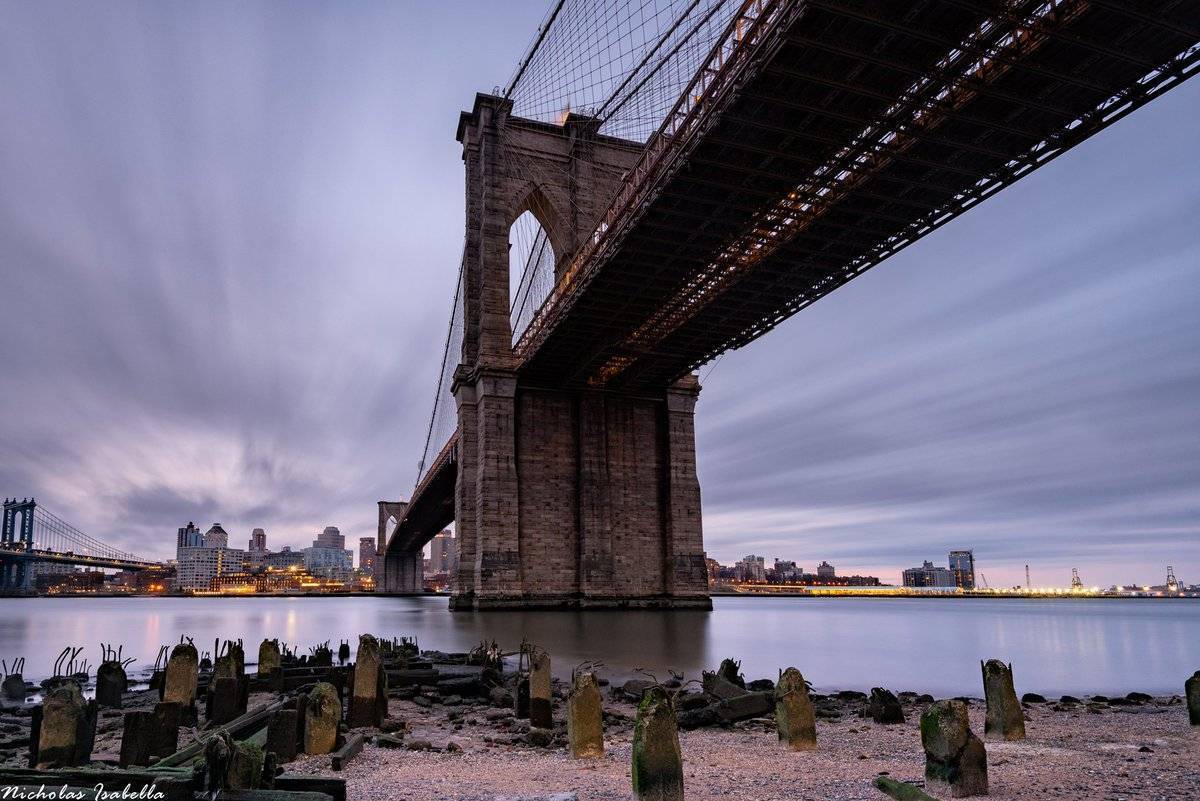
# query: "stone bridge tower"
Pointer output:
{"type": "Point", "coordinates": [564, 497]}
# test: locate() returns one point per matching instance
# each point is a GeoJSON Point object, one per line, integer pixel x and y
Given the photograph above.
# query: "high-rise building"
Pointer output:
{"type": "Point", "coordinates": [189, 537]}
{"type": "Point", "coordinates": [929, 576]}
{"type": "Point", "coordinates": [786, 570]}
{"type": "Point", "coordinates": [331, 537]}
{"type": "Point", "coordinates": [216, 537]}
{"type": "Point", "coordinates": [443, 554]}
{"type": "Point", "coordinates": [366, 554]}
{"type": "Point", "coordinates": [199, 566]}
{"type": "Point", "coordinates": [826, 571]}
{"type": "Point", "coordinates": [962, 565]}
{"type": "Point", "coordinates": [258, 540]}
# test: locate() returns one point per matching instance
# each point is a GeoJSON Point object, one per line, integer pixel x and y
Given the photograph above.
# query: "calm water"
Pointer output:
{"type": "Point", "coordinates": [927, 645]}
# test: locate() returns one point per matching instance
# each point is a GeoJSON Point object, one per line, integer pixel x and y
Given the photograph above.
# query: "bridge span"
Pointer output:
{"type": "Point", "coordinates": [811, 141]}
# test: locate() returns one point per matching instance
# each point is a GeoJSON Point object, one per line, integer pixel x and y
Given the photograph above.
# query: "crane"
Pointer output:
{"type": "Point", "coordinates": [1172, 582]}
{"type": "Point", "coordinates": [1076, 584]}
{"type": "Point", "coordinates": [983, 578]}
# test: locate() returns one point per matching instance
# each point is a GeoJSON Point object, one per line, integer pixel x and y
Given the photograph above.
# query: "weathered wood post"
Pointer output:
{"type": "Point", "coordinates": [657, 758]}
{"type": "Point", "coordinates": [541, 710]}
{"type": "Point", "coordinates": [1005, 718]}
{"type": "Point", "coordinates": [1191, 689]}
{"type": "Point", "coordinates": [955, 759]}
{"type": "Point", "coordinates": [795, 721]}
{"type": "Point", "coordinates": [585, 717]}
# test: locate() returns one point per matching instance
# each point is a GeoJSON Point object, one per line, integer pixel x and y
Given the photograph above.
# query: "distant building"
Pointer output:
{"type": "Point", "coordinates": [826, 571]}
{"type": "Point", "coordinates": [752, 568]}
{"type": "Point", "coordinates": [962, 565]}
{"type": "Point", "coordinates": [216, 537]}
{"type": "Point", "coordinates": [443, 554]}
{"type": "Point", "coordinates": [283, 559]}
{"type": "Point", "coordinates": [786, 570]}
{"type": "Point", "coordinates": [929, 576]}
{"type": "Point", "coordinates": [714, 571]}
{"type": "Point", "coordinates": [189, 537]}
{"type": "Point", "coordinates": [366, 554]}
{"type": "Point", "coordinates": [197, 567]}
{"type": "Point", "coordinates": [335, 563]}
{"type": "Point", "coordinates": [331, 537]}
{"type": "Point", "coordinates": [258, 540]}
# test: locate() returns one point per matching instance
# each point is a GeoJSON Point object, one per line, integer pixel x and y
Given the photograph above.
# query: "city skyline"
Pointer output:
{"type": "Point", "coordinates": [190, 347]}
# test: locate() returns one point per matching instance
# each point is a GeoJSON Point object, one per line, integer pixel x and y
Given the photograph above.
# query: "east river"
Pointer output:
{"type": "Point", "coordinates": [926, 645]}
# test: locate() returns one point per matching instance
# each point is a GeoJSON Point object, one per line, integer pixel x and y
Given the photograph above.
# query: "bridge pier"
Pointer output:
{"type": "Point", "coordinates": [404, 572]}
{"type": "Point", "coordinates": [578, 498]}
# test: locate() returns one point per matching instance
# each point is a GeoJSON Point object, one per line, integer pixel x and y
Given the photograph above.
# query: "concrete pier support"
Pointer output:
{"type": "Point", "coordinates": [404, 572]}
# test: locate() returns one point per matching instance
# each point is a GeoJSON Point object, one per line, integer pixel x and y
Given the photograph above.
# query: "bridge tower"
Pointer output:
{"type": "Point", "coordinates": [16, 540]}
{"type": "Point", "coordinates": [565, 496]}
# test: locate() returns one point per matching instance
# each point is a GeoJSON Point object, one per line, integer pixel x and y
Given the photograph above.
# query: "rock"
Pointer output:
{"type": "Point", "coordinates": [794, 719]}
{"type": "Point", "coordinates": [955, 759]}
{"type": "Point", "coordinates": [657, 763]}
{"type": "Point", "coordinates": [696, 718]}
{"type": "Point", "coordinates": [720, 687]}
{"type": "Point", "coordinates": [461, 685]}
{"type": "Point", "coordinates": [850, 695]}
{"type": "Point", "coordinates": [111, 684]}
{"type": "Point", "coordinates": [452, 700]}
{"type": "Point", "coordinates": [179, 679]}
{"type": "Point", "coordinates": [634, 689]}
{"type": "Point", "coordinates": [585, 718]}
{"type": "Point", "coordinates": [883, 707]}
{"type": "Point", "coordinates": [731, 671]}
{"type": "Point", "coordinates": [454, 747]}
{"type": "Point", "coordinates": [1033, 698]}
{"type": "Point", "coordinates": [744, 707]}
{"type": "Point", "coordinates": [761, 686]}
{"type": "Point", "coordinates": [13, 688]}
{"type": "Point", "coordinates": [539, 737]}
{"type": "Point", "coordinates": [389, 741]}
{"type": "Point", "coordinates": [1139, 698]}
{"type": "Point", "coordinates": [422, 701]}
{"type": "Point", "coordinates": [687, 701]}
{"type": "Point", "coordinates": [540, 687]}
{"type": "Point", "coordinates": [393, 725]}
{"type": "Point", "coordinates": [924, 698]}
{"type": "Point", "coordinates": [419, 745]}
{"type": "Point", "coordinates": [1005, 719]}
{"type": "Point", "coordinates": [498, 696]}
{"type": "Point", "coordinates": [322, 714]}
{"type": "Point", "coordinates": [1069, 699]}
{"type": "Point", "coordinates": [1191, 690]}
{"type": "Point", "coordinates": [67, 729]}
{"type": "Point", "coordinates": [283, 735]}
{"type": "Point", "coordinates": [368, 701]}
{"type": "Point", "coordinates": [498, 714]}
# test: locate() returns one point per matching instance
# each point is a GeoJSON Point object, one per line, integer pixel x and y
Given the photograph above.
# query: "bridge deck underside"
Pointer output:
{"type": "Point", "coordinates": [826, 127]}
{"type": "Point", "coordinates": [431, 508]}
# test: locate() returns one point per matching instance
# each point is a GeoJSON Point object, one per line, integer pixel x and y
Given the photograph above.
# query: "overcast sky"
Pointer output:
{"type": "Point", "coordinates": [229, 234]}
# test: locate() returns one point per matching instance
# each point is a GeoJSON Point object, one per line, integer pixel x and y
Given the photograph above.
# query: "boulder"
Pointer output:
{"type": "Point", "coordinates": [1191, 689]}
{"type": "Point", "coordinates": [179, 679]}
{"type": "Point", "coordinates": [1033, 698]}
{"type": "Point", "coordinates": [883, 707]}
{"type": "Point", "coordinates": [585, 717]}
{"type": "Point", "coordinates": [1005, 719]}
{"type": "Point", "coordinates": [955, 759]}
{"type": "Point", "coordinates": [795, 722]}
{"type": "Point", "coordinates": [13, 687]}
{"type": "Point", "coordinates": [761, 686]}
{"type": "Point", "coordinates": [634, 689]}
{"type": "Point", "coordinates": [657, 762]}
{"type": "Point", "coordinates": [322, 714]}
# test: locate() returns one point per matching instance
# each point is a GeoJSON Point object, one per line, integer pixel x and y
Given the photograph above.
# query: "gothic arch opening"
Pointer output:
{"type": "Point", "coordinates": [531, 260]}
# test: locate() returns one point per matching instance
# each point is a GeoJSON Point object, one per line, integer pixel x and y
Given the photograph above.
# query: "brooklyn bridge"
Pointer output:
{"type": "Point", "coordinates": [665, 187]}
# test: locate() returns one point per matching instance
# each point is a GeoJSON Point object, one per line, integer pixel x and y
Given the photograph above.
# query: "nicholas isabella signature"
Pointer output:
{"type": "Point", "coordinates": [65, 793]}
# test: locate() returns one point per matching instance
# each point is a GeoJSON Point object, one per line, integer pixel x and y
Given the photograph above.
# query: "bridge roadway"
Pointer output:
{"type": "Point", "coordinates": [828, 137]}
{"type": "Point", "coordinates": [10, 553]}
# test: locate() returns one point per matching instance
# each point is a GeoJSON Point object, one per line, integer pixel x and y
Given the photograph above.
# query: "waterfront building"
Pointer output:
{"type": "Point", "coordinates": [714, 571]}
{"type": "Point", "coordinates": [366, 555]}
{"type": "Point", "coordinates": [443, 554]}
{"type": "Point", "coordinates": [334, 563]}
{"type": "Point", "coordinates": [199, 566]}
{"type": "Point", "coordinates": [189, 537]}
{"type": "Point", "coordinates": [929, 576]}
{"type": "Point", "coordinates": [216, 537]}
{"type": "Point", "coordinates": [258, 540]}
{"type": "Point", "coordinates": [786, 570]}
{"type": "Point", "coordinates": [962, 565]}
{"type": "Point", "coordinates": [283, 559]}
{"type": "Point", "coordinates": [826, 571]}
{"type": "Point", "coordinates": [752, 568]}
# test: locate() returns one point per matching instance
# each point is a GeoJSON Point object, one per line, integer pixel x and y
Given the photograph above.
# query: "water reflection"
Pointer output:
{"type": "Point", "coordinates": [1076, 646]}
